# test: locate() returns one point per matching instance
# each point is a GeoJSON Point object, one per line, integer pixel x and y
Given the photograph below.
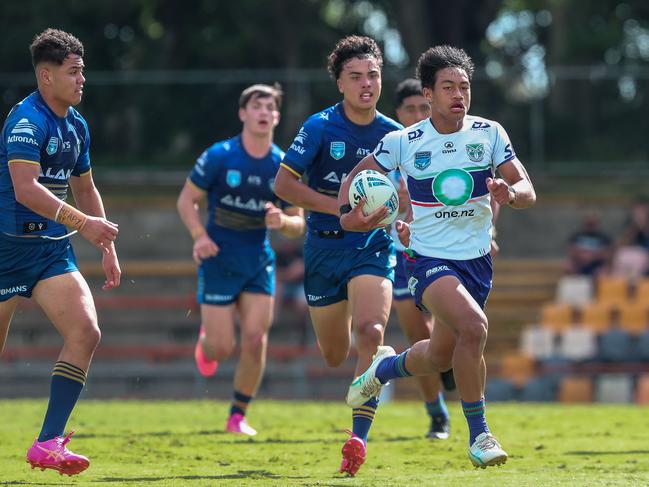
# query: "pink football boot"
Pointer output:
{"type": "Point", "coordinates": [54, 455]}
{"type": "Point", "coordinates": [353, 454]}
{"type": "Point", "coordinates": [206, 367]}
{"type": "Point", "coordinates": [237, 424]}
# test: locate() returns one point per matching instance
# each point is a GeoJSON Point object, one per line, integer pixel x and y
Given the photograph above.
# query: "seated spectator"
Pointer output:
{"type": "Point", "coordinates": [632, 250]}
{"type": "Point", "coordinates": [590, 249]}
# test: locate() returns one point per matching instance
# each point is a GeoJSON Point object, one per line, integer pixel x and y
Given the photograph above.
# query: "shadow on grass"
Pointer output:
{"type": "Point", "coordinates": [608, 452]}
{"type": "Point", "coordinates": [241, 474]}
{"type": "Point", "coordinates": [150, 433]}
{"type": "Point", "coordinates": [226, 438]}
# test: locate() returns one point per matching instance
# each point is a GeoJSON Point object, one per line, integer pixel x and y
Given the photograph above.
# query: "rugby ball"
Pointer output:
{"type": "Point", "coordinates": [378, 190]}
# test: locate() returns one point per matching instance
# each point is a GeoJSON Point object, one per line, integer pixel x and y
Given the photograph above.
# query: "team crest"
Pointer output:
{"type": "Point", "coordinates": [233, 178]}
{"type": "Point", "coordinates": [422, 160]}
{"type": "Point", "coordinates": [52, 146]}
{"type": "Point", "coordinates": [337, 150]}
{"type": "Point", "coordinates": [475, 152]}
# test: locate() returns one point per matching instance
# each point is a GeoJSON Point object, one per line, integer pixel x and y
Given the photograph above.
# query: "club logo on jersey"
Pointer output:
{"type": "Point", "coordinates": [415, 134]}
{"type": "Point", "coordinates": [52, 146]}
{"type": "Point", "coordinates": [24, 126]}
{"type": "Point", "coordinates": [412, 285]}
{"type": "Point", "coordinates": [453, 187]}
{"type": "Point", "coordinates": [233, 178]}
{"type": "Point", "coordinates": [337, 150]}
{"type": "Point", "coordinates": [475, 152]}
{"type": "Point", "coordinates": [422, 160]}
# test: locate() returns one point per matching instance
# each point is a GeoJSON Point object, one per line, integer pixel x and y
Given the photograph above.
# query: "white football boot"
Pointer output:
{"type": "Point", "coordinates": [366, 386]}
{"type": "Point", "coordinates": [486, 451]}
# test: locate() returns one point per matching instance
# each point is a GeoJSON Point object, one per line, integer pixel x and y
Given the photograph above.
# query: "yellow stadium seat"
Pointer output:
{"type": "Point", "coordinates": [596, 317]}
{"type": "Point", "coordinates": [612, 290]}
{"type": "Point", "coordinates": [642, 291]}
{"type": "Point", "coordinates": [557, 316]}
{"type": "Point", "coordinates": [634, 318]}
{"type": "Point", "coordinates": [576, 389]}
{"type": "Point", "coordinates": [517, 368]}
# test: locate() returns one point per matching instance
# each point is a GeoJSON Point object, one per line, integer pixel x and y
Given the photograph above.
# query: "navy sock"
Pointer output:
{"type": "Point", "coordinates": [240, 403]}
{"type": "Point", "coordinates": [392, 367]}
{"type": "Point", "coordinates": [475, 417]}
{"type": "Point", "coordinates": [437, 408]}
{"type": "Point", "coordinates": [65, 388]}
{"type": "Point", "coordinates": [363, 416]}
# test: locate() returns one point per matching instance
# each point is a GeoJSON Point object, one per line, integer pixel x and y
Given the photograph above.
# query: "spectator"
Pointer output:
{"type": "Point", "coordinates": [632, 250]}
{"type": "Point", "coordinates": [590, 249]}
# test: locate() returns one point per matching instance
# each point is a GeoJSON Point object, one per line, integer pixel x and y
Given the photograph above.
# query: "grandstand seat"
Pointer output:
{"type": "Point", "coordinates": [612, 290]}
{"type": "Point", "coordinates": [614, 388]}
{"type": "Point", "coordinates": [642, 346]}
{"type": "Point", "coordinates": [517, 368]}
{"type": "Point", "coordinates": [576, 389]}
{"type": "Point", "coordinates": [634, 318]}
{"type": "Point", "coordinates": [641, 294]}
{"type": "Point", "coordinates": [615, 346]}
{"type": "Point", "coordinates": [574, 290]}
{"type": "Point", "coordinates": [596, 317]}
{"type": "Point", "coordinates": [539, 389]}
{"type": "Point", "coordinates": [537, 342]}
{"type": "Point", "coordinates": [500, 390]}
{"type": "Point", "coordinates": [642, 390]}
{"type": "Point", "coordinates": [577, 343]}
{"type": "Point", "coordinates": [556, 316]}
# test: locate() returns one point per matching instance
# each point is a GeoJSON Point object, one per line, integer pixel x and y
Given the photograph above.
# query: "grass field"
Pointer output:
{"type": "Point", "coordinates": [182, 444]}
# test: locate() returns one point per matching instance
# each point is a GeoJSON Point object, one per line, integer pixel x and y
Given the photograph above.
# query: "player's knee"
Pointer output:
{"type": "Point", "coordinates": [334, 357]}
{"type": "Point", "coordinates": [369, 336]}
{"type": "Point", "coordinates": [474, 333]}
{"type": "Point", "coordinates": [441, 360]}
{"type": "Point", "coordinates": [86, 336]}
{"type": "Point", "coordinates": [254, 343]}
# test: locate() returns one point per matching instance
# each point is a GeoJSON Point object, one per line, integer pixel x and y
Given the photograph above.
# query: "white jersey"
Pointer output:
{"type": "Point", "coordinates": [446, 178]}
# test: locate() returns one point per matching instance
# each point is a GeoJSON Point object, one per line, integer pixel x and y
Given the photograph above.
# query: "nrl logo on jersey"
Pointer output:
{"type": "Point", "coordinates": [475, 152]}
{"type": "Point", "coordinates": [337, 150]}
{"type": "Point", "coordinates": [233, 178]}
{"type": "Point", "coordinates": [422, 160]}
{"type": "Point", "coordinates": [52, 146]}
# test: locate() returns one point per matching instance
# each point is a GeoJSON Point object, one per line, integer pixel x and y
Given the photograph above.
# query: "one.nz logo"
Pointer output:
{"type": "Point", "coordinates": [233, 178]}
{"type": "Point", "coordinates": [337, 150]}
{"type": "Point", "coordinates": [475, 152]}
{"type": "Point", "coordinates": [52, 146]}
{"type": "Point", "coordinates": [422, 160]}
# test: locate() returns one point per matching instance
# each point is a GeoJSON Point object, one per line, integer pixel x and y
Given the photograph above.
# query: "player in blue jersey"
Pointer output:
{"type": "Point", "coordinates": [236, 275]}
{"type": "Point", "coordinates": [449, 163]}
{"type": "Point", "coordinates": [412, 107]}
{"type": "Point", "coordinates": [44, 148]}
{"type": "Point", "coordinates": [348, 275]}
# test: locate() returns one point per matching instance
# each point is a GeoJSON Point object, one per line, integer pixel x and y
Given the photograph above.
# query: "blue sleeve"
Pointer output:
{"type": "Point", "coordinates": [83, 161]}
{"type": "Point", "coordinates": [25, 136]}
{"type": "Point", "coordinates": [206, 169]}
{"type": "Point", "coordinates": [305, 147]}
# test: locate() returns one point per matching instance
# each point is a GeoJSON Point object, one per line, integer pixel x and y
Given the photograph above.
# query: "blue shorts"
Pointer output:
{"type": "Point", "coordinates": [25, 261]}
{"type": "Point", "coordinates": [222, 278]}
{"type": "Point", "coordinates": [327, 271]}
{"type": "Point", "coordinates": [474, 274]}
{"type": "Point", "coordinates": [400, 291]}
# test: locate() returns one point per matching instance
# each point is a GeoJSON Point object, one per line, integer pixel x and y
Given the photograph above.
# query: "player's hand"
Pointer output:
{"type": "Point", "coordinates": [99, 232]}
{"type": "Point", "coordinates": [356, 221]}
{"type": "Point", "coordinates": [112, 269]}
{"type": "Point", "coordinates": [403, 231]}
{"type": "Point", "coordinates": [204, 248]}
{"type": "Point", "coordinates": [274, 217]}
{"type": "Point", "coordinates": [404, 197]}
{"type": "Point", "coordinates": [499, 189]}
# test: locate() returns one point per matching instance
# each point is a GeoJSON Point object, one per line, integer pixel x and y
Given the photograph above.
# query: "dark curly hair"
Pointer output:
{"type": "Point", "coordinates": [352, 47]}
{"type": "Point", "coordinates": [408, 87]}
{"type": "Point", "coordinates": [53, 46]}
{"type": "Point", "coordinates": [440, 57]}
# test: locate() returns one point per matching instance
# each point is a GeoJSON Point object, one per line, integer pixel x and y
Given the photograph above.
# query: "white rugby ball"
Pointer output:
{"type": "Point", "coordinates": [378, 190]}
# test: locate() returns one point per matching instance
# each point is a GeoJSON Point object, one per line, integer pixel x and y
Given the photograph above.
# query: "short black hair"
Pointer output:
{"type": "Point", "coordinates": [440, 57]}
{"type": "Point", "coordinates": [352, 47]}
{"type": "Point", "coordinates": [53, 46]}
{"type": "Point", "coordinates": [261, 91]}
{"type": "Point", "coordinates": [408, 87]}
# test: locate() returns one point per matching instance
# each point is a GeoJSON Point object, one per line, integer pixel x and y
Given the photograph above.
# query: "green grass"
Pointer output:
{"type": "Point", "coordinates": [182, 444]}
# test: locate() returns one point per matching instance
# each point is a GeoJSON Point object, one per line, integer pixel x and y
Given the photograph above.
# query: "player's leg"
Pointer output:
{"type": "Point", "coordinates": [255, 318]}
{"type": "Point", "coordinates": [332, 327]}
{"type": "Point", "coordinates": [418, 326]}
{"type": "Point", "coordinates": [77, 324]}
{"type": "Point", "coordinates": [7, 309]}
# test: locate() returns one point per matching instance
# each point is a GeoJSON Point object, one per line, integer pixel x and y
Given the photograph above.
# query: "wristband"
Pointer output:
{"type": "Point", "coordinates": [345, 209]}
{"type": "Point", "coordinates": [70, 216]}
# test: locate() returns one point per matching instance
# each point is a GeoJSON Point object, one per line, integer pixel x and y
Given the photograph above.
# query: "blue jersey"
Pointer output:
{"type": "Point", "coordinates": [238, 187]}
{"type": "Point", "coordinates": [60, 145]}
{"type": "Point", "coordinates": [325, 149]}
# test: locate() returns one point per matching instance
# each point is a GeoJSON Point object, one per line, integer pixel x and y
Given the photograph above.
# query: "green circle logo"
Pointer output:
{"type": "Point", "coordinates": [453, 187]}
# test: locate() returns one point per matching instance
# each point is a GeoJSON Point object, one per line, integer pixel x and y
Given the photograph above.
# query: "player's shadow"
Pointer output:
{"type": "Point", "coordinates": [226, 438]}
{"type": "Point", "coordinates": [241, 474]}
{"type": "Point", "coordinates": [607, 452]}
{"type": "Point", "coordinates": [25, 482]}
{"type": "Point", "coordinates": [398, 439]}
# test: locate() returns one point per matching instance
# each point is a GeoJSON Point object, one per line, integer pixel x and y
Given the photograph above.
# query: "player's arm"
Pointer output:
{"type": "Point", "coordinates": [30, 193]}
{"type": "Point", "coordinates": [188, 203]}
{"type": "Point", "coordinates": [353, 219]}
{"type": "Point", "coordinates": [515, 188]}
{"type": "Point", "coordinates": [88, 200]}
{"type": "Point", "coordinates": [289, 187]}
{"type": "Point", "coordinates": [289, 222]}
